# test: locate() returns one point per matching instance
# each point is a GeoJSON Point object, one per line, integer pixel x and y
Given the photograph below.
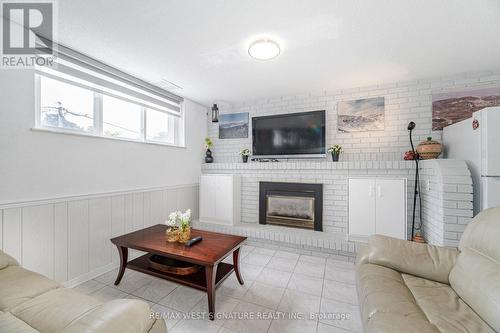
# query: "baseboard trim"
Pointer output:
{"type": "Point", "coordinates": [90, 275]}
{"type": "Point", "coordinates": [99, 271]}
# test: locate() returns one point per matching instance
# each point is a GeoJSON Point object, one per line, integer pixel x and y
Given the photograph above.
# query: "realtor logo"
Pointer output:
{"type": "Point", "coordinates": [27, 33]}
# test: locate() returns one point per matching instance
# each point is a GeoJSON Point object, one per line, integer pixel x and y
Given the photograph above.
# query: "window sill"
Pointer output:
{"type": "Point", "coordinates": [61, 131]}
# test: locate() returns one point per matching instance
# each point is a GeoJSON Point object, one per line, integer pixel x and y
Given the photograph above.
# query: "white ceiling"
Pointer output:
{"type": "Point", "coordinates": [201, 45]}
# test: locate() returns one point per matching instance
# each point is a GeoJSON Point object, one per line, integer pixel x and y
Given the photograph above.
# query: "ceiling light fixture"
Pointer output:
{"type": "Point", "coordinates": [264, 49]}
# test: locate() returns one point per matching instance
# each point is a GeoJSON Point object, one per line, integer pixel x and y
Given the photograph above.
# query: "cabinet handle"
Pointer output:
{"type": "Point", "coordinates": [379, 191]}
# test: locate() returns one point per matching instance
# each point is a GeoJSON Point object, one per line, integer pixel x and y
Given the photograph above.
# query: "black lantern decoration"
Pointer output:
{"type": "Point", "coordinates": [215, 114]}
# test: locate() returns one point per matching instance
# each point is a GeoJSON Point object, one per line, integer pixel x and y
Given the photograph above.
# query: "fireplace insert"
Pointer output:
{"type": "Point", "coordinates": [295, 205]}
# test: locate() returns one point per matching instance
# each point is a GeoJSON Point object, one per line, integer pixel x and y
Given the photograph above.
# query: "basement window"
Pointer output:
{"type": "Point", "coordinates": [85, 97]}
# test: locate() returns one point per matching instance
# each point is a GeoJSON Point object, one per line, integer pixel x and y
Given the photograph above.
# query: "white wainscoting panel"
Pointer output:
{"type": "Point", "coordinates": [78, 238]}
{"type": "Point", "coordinates": [38, 239]}
{"type": "Point", "coordinates": [61, 241]}
{"type": "Point", "coordinates": [117, 222]}
{"type": "Point", "coordinates": [138, 211]}
{"type": "Point", "coordinates": [100, 232]}
{"type": "Point", "coordinates": [12, 233]}
{"type": "Point", "coordinates": [171, 200]}
{"type": "Point", "coordinates": [68, 239]}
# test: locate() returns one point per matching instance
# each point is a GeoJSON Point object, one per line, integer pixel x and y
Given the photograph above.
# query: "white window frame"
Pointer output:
{"type": "Point", "coordinates": [179, 135]}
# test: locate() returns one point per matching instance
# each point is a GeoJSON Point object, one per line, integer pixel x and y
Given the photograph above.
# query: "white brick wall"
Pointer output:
{"type": "Point", "coordinates": [446, 187]}
{"type": "Point", "coordinates": [404, 101]}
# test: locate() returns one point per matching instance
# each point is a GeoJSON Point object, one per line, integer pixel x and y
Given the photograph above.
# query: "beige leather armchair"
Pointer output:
{"type": "Point", "coordinates": [30, 302]}
{"type": "Point", "coordinates": [410, 287]}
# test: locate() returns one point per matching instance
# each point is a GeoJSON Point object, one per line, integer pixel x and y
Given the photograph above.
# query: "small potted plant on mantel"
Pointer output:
{"type": "Point", "coordinates": [208, 154]}
{"type": "Point", "coordinates": [244, 154]}
{"type": "Point", "coordinates": [335, 150]}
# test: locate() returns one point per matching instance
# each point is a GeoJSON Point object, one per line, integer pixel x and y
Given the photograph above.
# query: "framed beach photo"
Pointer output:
{"type": "Point", "coordinates": [361, 115]}
{"type": "Point", "coordinates": [233, 126]}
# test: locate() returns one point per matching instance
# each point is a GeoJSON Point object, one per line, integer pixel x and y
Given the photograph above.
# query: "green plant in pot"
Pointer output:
{"type": "Point", "coordinates": [208, 154]}
{"type": "Point", "coordinates": [244, 154]}
{"type": "Point", "coordinates": [335, 150]}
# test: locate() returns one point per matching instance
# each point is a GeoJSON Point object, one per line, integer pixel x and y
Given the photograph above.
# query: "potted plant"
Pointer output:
{"type": "Point", "coordinates": [335, 150]}
{"type": "Point", "coordinates": [244, 154]}
{"type": "Point", "coordinates": [184, 227]}
{"type": "Point", "coordinates": [179, 229]}
{"type": "Point", "coordinates": [208, 154]}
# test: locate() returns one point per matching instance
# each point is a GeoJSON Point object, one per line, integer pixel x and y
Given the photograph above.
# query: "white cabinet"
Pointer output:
{"type": "Point", "coordinates": [220, 198]}
{"type": "Point", "coordinates": [377, 206]}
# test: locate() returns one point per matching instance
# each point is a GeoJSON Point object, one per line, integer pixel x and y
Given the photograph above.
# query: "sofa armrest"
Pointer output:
{"type": "Point", "coordinates": [422, 260]}
{"type": "Point", "coordinates": [117, 316]}
{"type": "Point", "coordinates": [6, 260]}
{"type": "Point", "coordinates": [363, 254]}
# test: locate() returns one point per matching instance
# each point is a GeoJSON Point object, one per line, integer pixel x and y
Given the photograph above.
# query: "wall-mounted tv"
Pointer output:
{"type": "Point", "coordinates": [292, 135]}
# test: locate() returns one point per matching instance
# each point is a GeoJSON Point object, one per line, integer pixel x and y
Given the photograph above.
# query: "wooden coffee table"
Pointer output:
{"type": "Point", "coordinates": [208, 253]}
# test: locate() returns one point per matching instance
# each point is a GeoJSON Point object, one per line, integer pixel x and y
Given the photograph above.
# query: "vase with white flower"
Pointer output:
{"type": "Point", "coordinates": [185, 226]}
{"type": "Point", "coordinates": [335, 150]}
{"type": "Point", "coordinates": [244, 154]}
{"type": "Point", "coordinates": [179, 229]}
{"type": "Point", "coordinates": [172, 232]}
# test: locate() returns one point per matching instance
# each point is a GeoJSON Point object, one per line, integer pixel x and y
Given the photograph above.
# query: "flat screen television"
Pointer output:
{"type": "Point", "coordinates": [293, 135]}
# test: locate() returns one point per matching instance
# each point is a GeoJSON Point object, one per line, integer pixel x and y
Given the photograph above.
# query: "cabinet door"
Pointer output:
{"type": "Point", "coordinates": [361, 207]}
{"type": "Point", "coordinates": [391, 208]}
{"type": "Point", "coordinates": [224, 199]}
{"type": "Point", "coordinates": [207, 197]}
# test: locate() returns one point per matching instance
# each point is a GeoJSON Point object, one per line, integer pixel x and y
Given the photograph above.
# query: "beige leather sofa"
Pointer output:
{"type": "Point", "coordinates": [30, 302]}
{"type": "Point", "coordinates": [409, 287]}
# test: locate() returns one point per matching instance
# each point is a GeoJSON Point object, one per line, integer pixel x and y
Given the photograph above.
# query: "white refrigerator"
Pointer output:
{"type": "Point", "coordinates": [477, 141]}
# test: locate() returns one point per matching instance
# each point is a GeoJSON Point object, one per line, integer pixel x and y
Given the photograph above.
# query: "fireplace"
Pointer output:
{"type": "Point", "coordinates": [295, 205]}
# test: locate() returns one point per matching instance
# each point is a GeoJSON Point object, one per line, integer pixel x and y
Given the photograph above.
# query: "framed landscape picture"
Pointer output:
{"type": "Point", "coordinates": [361, 115]}
{"type": "Point", "coordinates": [451, 107]}
{"type": "Point", "coordinates": [233, 126]}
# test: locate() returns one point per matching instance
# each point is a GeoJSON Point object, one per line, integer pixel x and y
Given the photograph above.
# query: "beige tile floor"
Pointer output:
{"type": "Point", "coordinates": [277, 284]}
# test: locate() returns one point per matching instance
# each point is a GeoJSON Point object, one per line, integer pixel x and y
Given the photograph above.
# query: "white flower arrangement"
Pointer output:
{"type": "Point", "coordinates": [245, 152]}
{"type": "Point", "coordinates": [337, 149]}
{"type": "Point", "coordinates": [179, 219]}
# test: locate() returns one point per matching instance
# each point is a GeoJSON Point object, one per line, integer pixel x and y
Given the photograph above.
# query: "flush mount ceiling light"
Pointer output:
{"type": "Point", "coordinates": [264, 49]}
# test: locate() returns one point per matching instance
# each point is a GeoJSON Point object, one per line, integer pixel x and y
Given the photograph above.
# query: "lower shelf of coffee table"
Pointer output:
{"type": "Point", "coordinates": [196, 280]}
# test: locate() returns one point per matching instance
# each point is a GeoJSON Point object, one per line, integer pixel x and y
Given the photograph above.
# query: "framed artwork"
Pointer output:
{"type": "Point", "coordinates": [361, 115]}
{"type": "Point", "coordinates": [451, 107]}
{"type": "Point", "coordinates": [233, 126]}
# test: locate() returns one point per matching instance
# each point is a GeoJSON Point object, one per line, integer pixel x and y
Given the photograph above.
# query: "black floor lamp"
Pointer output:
{"type": "Point", "coordinates": [416, 192]}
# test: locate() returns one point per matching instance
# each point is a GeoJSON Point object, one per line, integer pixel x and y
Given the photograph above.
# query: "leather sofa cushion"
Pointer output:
{"type": "Point", "coordinates": [55, 309]}
{"type": "Point", "coordinates": [397, 323]}
{"type": "Point", "coordinates": [117, 316]}
{"type": "Point", "coordinates": [476, 276]}
{"type": "Point", "coordinates": [476, 279]}
{"type": "Point", "coordinates": [9, 323]}
{"type": "Point", "coordinates": [386, 303]}
{"type": "Point", "coordinates": [423, 260]}
{"type": "Point", "coordinates": [19, 285]}
{"type": "Point", "coordinates": [443, 308]}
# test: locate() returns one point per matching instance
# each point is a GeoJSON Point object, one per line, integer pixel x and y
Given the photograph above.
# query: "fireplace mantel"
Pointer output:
{"type": "Point", "coordinates": [312, 165]}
